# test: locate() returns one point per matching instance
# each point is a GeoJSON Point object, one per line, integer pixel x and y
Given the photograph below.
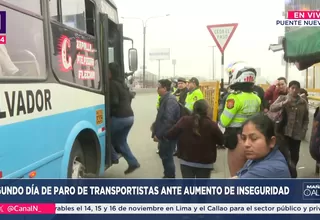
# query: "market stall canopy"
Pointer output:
{"type": "Point", "coordinates": [302, 47]}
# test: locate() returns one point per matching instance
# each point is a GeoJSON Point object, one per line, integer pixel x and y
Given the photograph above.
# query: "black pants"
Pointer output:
{"type": "Point", "coordinates": [294, 148]}
{"type": "Point", "coordinates": [285, 150]}
{"type": "Point", "coordinates": [194, 172]}
{"type": "Point", "coordinates": [231, 137]}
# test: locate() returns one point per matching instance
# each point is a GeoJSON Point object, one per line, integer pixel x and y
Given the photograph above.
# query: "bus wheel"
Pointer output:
{"type": "Point", "coordinates": [76, 167]}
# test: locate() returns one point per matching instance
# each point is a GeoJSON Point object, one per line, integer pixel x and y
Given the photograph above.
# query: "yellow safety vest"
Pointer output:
{"type": "Point", "coordinates": [158, 102]}
{"type": "Point", "coordinates": [192, 97]}
{"type": "Point", "coordinates": [238, 108]}
{"type": "Point", "coordinates": [174, 90]}
{"type": "Point", "coordinates": [173, 93]}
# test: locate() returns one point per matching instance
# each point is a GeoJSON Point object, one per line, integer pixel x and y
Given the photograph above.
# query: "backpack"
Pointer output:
{"type": "Point", "coordinates": [183, 110]}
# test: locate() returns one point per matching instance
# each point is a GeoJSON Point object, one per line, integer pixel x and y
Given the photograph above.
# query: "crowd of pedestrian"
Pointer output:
{"type": "Point", "coordinates": [262, 131]}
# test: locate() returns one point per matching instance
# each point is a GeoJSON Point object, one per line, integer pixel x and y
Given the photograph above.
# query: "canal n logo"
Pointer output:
{"type": "Point", "coordinates": [3, 22]}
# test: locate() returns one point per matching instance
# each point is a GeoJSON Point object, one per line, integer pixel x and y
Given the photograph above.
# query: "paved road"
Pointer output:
{"type": "Point", "coordinates": [145, 149]}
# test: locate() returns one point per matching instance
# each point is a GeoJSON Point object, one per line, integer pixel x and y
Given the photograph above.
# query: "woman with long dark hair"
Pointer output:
{"type": "Point", "coordinates": [198, 137]}
{"type": "Point", "coordinates": [265, 157]}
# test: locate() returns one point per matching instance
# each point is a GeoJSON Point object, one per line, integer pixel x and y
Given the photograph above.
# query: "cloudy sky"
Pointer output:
{"type": "Point", "coordinates": [185, 33]}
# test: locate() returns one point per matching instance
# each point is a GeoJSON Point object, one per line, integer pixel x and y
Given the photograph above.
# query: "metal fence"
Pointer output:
{"type": "Point", "coordinates": [151, 80]}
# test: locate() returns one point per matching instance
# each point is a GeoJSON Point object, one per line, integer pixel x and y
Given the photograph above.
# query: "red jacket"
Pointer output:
{"type": "Point", "coordinates": [193, 148]}
{"type": "Point", "coordinates": [272, 94]}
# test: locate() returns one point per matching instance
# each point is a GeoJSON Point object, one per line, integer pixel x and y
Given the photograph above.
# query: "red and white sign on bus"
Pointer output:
{"type": "Point", "coordinates": [83, 59]}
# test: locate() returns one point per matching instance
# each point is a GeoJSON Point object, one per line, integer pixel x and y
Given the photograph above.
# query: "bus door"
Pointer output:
{"type": "Point", "coordinates": [112, 52]}
{"type": "Point", "coordinates": [120, 30]}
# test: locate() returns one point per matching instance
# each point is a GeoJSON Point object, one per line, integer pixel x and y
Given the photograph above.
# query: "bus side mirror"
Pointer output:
{"type": "Point", "coordinates": [133, 59]}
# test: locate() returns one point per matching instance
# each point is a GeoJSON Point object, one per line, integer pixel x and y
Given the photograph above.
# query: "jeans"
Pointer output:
{"type": "Point", "coordinates": [120, 128]}
{"type": "Point", "coordinates": [166, 150]}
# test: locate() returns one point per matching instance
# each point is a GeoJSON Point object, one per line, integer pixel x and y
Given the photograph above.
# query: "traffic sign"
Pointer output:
{"type": "Point", "coordinates": [222, 33]}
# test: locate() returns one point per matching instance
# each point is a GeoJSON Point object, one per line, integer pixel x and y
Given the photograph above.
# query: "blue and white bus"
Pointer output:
{"type": "Point", "coordinates": [54, 116]}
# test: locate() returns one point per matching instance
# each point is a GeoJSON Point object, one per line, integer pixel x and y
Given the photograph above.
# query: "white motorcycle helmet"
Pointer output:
{"type": "Point", "coordinates": [240, 72]}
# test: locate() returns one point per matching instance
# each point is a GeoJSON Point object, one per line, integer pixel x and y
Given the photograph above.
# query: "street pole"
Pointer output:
{"type": "Point", "coordinates": [287, 71]}
{"type": "Point", "coordinates": [144, 23]}
{"type": "Point", "coordinates": [286, 29]}
{"type": "Point", "coordinates": [213, 66]}
{"type": "Point", "coordinates": [159, 70]}
{"type": "Point", "coordinates": [213, 63]}
{"type": "Point", "coordinates": [222, 70]}
{"type": "Point", "coordinates": [174, 67]}
{"type": "Point", "coordinates": [144, 56]}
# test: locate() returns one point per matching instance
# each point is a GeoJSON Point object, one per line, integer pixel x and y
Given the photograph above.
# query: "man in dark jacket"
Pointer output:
{"type": "Point", "coordinates": [167, 116]}
{"type": "Point", "coordinates": [182, 91]}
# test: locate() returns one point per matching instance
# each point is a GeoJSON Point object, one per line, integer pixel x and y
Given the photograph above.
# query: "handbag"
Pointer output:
{"type": "Point", "coordinates": [280, 120]}
{"type": "Point", "coordinates": [277, 117]}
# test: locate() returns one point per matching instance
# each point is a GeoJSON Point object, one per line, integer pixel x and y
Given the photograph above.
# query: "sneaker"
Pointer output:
{"type": "Point", "coordinates": [131, 169]}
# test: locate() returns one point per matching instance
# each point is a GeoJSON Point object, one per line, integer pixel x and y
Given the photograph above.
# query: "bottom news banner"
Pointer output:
{"type": "Point", "coordinates": [139, 199]}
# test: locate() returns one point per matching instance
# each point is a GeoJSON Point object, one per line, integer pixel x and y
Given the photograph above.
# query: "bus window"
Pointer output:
{"type": "Point", "coordinates": [73, 14]}
{"type": "Point", "coordinates": [75, 57]}
{"type": "Point", "coordinates": [53, 7]}
{"type": "Point", "coordinates": [23, 56]}
{"type": "Point", "coordinates": [111, 54]}
{"type": "Point", "coordinates": [30, 5]}
{"type": "Point", "coordinates": [114, 43]}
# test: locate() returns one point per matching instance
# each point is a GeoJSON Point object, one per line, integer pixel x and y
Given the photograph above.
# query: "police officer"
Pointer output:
{"type": "Point", "coordinates": [241, 103]}
{"type": "Point", "coordinates": [174, 85]}
{"type": "Point", "coordinates": [256, 89]}
{"type": "Point", "coordinates": [194, 93]}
